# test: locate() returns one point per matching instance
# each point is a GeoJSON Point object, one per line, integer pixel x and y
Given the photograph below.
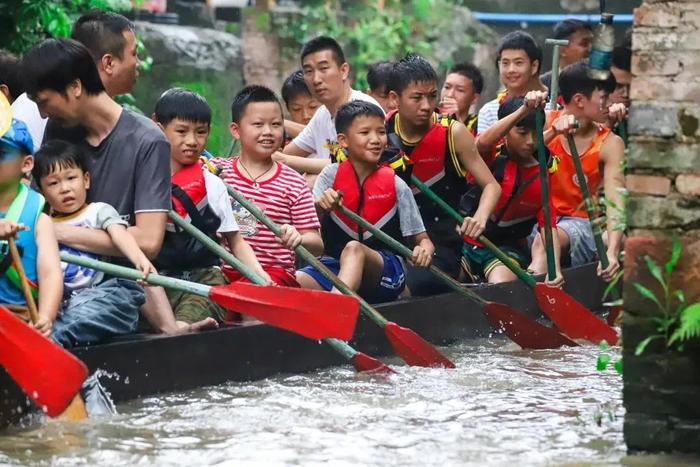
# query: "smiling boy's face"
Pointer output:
{"type": "Point", "coordinates": [260, 130]}
{"type": "Point", "coordinates": [187, 140]}
{"type": "Point", "coordinates": [365, 140]}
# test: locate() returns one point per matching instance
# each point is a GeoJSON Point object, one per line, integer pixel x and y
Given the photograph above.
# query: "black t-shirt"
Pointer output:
{"type": "Point", "coordinates": [129, 169]}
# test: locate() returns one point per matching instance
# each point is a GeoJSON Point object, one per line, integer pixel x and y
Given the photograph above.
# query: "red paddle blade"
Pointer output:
{"type": "Point", "coordinates": [413, 349]}
{"type": "Point", "coordinates": [364, 363]}
{"type": "Point", "coordinates": [526, 332]}
{"type": "Point", "coordinates": [310, 313]}
{"type": "Point", "coordinates": [574, 319]}
{"type": "Point", "coordinates": [48, 374]}
{"type": "Point", "coordinates": [613, 313]}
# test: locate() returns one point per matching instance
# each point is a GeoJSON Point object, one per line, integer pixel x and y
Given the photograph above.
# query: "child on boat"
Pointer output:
{"type": "Point", "coordinates": [378, 76]}
{"type": "Point", "coordinates": [21, 217]}
{"type": "Point", "coordinates": [584, 115]}
{"type": "Point", "coordinates": [200, 197]}
{"type": "Point", "coordinates": [444, 157]}
{"type": "Point", "coordinates": [94, 307]}
{"type": "Point", "coordinates": [374, 191]}
{"type": "Point", "coordinates": [460, 92]}
{"type": "Point", "coordinates": [301, 105]}
{"type": "Point", "coordinates": [278, 190]}
{"type": "Point", "coordinates": [520, 206]}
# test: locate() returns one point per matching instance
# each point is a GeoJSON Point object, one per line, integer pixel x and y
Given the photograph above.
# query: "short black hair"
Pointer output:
{"type": "Point", "coordinates": [183, 104]}
{"type": "Point", "coordinates": [250, 95]}
{"type": "Point", "coordinates": [10, 74]}
{"type": "Point", "coordinates": [622, 58]}
{"type": "Point", "coordinates": [574, 79]}
{"type": "Point", "coordinates": [56, 155]}
{"type": "Point", "coordinates": [565, 28]}
{"type": "Point", "coordinates": [411, 69]}
{"type": "Point", "coordinates": [55, 63]}
{"type": "Point", "coordinates": [321, 43]}
{"type": "Point", "coordinates": [294, 86]}
{"type": "Point", "coordinates": [347, 113]}
{"type": "Point", "coordinates": [510, 105]}
{"type": "Point", "coordinates": [379, 75]}
{"type": "Point", "coordinates": [520, 40]}
{"type": "Point", "coordinates": [470, 72]}
{"type": "Point", "coordinates": [102, 32]}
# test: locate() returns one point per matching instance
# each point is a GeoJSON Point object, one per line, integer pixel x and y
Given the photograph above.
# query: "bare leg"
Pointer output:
{"type": "Point", "coordinates": [307, 282]}
{"type": "Point", "coordinates": [539, 256]}
{"type": "Point", "coordinates": [159, 314]}
{"type": "Point", "coordinates": [360, 266]}
{"type": "Point", "coordinates": [500, 274]}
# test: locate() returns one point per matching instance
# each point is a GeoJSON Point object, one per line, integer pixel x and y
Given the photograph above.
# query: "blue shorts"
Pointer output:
{"type": "Point", "coordinates": [391, 285]}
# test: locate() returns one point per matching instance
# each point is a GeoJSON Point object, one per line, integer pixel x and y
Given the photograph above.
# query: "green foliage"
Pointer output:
{"type": "Point", "coordinates": [30, 21]}
{"type": "Point", "coordinates": [605, 358]}
{"type": "Point", "coordinates": [368, 34]}
{"type": "Point", "coordinates": [677, 321]}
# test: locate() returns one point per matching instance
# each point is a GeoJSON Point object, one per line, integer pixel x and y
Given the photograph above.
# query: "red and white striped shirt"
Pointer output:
{"type": "Point", "coordinates": [285, 198]}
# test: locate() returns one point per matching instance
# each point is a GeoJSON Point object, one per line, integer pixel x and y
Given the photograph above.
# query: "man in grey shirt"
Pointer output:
{"type": "Point", "coordinates": [128, 155]}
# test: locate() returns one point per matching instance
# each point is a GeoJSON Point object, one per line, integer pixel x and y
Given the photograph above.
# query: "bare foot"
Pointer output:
{"type": "Point", "coordinates": [206, 323]}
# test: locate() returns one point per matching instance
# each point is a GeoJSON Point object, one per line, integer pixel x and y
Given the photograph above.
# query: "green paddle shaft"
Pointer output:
{"type": "Point", "coordinates": [406, 252]}
{"type": "Point", "coordinates": [554, 87]}
{"type": "Point", "coordinates": [590, 207]}
{"type": "Point", "coordinates": [504, 258]}
{"type": "Point", "coordinates": [217, 249]}
{"type": "Point", "coordinates": [622, 127]}
{"type": "Point", "coordinates": [544, 183]}
{"type": "Point", "coordinates": [307, 256]}
{"type": "Point", "coordinates": [136, 275]}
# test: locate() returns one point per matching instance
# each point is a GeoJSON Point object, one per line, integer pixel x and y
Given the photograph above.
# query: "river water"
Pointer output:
{"type": "Point", "coordinates": [501, 406]}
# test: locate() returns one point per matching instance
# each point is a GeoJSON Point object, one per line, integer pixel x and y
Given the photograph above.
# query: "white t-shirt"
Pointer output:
{"type": "Point", "coordinates": [23, 108]}
{"type": "Point", "coordinates": [218, 199]}
{"type": "Point", "coordinates": [93, 216]}
{"type": "Point", "coordinates": [319, 136]}
{"type": "Point", "coordinates": [488, 115]}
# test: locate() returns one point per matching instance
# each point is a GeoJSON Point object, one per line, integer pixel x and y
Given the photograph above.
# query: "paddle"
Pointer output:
{"type": "Point", "coordinates": [522, 330]}
{"type": "Point", "coordinates": [278, 306]}
{"type": "Point", "coordinates": [408, 345]}
{"type": "Point", "coordinates": [46, 372]}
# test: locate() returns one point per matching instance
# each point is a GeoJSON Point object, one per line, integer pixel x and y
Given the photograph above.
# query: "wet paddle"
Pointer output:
{"type": "Point", "coordinates": [281, 307]}
{"type": "Point", "coordinates": [46, 372]}
{"type": "Point", "coordinates": [520, 329]}
{"type": "Point", "coordinates": [408, 345]}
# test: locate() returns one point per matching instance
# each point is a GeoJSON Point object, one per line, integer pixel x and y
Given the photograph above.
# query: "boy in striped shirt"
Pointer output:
{"type": "Point", "coordinates": [276, 189]}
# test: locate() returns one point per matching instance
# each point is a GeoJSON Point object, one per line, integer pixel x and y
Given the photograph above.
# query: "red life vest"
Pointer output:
{"type": "Point", "coordinates": [375, 200]}
{"type": "Point", "coordinates": [436, 164]}
{"type": "Point", "coordinates": [180, 251]}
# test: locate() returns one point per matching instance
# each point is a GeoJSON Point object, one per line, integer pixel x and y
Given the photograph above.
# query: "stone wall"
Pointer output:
{"type": "Point", "coordinates": [661, 387]}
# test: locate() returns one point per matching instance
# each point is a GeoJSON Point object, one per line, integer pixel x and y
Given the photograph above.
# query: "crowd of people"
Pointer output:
{"type": "Point", "coordinates": [80, 173]}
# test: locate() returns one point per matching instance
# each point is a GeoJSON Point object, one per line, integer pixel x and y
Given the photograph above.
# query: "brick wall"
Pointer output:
{"type": "Point", "coordinates": [661, 388]}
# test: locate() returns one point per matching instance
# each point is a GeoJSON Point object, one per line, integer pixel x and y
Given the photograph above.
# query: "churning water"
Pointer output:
{"type": "Point", "coordinates": [501, 406]}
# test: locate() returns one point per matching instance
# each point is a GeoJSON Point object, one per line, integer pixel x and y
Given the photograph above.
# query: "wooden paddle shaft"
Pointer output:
{"type": "Point", "coordinates": [504, 258]}
{"type": "Point", "coordinates": [588, 202]}
{"type": "Point", "coordinates": [406, 252]}
{"type": "Point", "coordinates": [17, 261]}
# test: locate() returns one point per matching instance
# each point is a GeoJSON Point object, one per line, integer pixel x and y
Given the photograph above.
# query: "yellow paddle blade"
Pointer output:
{"type": "Point", "coordinates": [5, 114]}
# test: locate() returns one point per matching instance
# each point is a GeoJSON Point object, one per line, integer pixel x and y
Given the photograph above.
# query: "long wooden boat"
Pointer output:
{"type": "Point", "coordinates": [150, 364]}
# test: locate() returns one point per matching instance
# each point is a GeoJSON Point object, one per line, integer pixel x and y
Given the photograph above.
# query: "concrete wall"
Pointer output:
{"type": "Point", "coordinates": [662, 387]}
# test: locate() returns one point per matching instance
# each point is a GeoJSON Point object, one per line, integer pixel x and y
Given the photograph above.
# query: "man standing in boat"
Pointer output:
{"type": "Point", "coordinates": [443, 155]}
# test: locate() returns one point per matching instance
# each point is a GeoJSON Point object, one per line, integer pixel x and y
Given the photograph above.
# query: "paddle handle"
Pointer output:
{"type": "Point", "coordinates": [136, 275]}
{"type": "Point", "coordinates": [217, 249]}
{"type": "Point", "coordinates": [504, 258]}
{"type": "Point", "coordinates": [544, 184]}
{"type": "Point", "coordinates": [406, 252]}
{"type": "Point", "coordinates": [339, 346]}
{"type": "Point", "coordinates": [588, 202]}
{"type": "Point", "coordinates": [554, 86]}
{"type": "Point", "coordinates": [26, 291]}
{"type": "Point", "coordinates": [307, 256]}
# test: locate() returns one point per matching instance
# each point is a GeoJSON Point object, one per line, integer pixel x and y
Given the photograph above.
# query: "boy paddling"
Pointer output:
{"type": "Point", "coordinates": [21, 217]}
{"type": "Point", "coordinates": [586, 107]}
{"type": "Point", "coordinates": [278, 190]}
{"type": "Point", "coordinates": [442, 153]}
{"type": "Point", "coordinates": [378, 195]}
{"type": "Point", "coordinates": [201, 198]}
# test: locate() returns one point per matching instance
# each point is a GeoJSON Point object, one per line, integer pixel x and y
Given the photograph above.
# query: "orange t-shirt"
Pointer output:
{"type": "Point", "coordinates": [565, 189]}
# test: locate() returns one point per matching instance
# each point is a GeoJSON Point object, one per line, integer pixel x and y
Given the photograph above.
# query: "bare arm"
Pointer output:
{"type": "Point", "coordinates": [294, 150]}
{"type": "Point", "coordinates": [293, 128]}
{"type": "Point", "coordinates": [49, 273]}
{"type": "Point", "coordinates": [423, 250]}
{"type": "Point", "coordinates": [127, 246]}
{"type": "Point", "coordinates": [243, 251]}
{"type": "Point", "coordinates": [474, 164]}
{"type": "Point", "coordinates": [311, 239]}
{"type": "Point", "coordinates": [148, 233]}
{"type": "Point", "coordinates": [302, 164]}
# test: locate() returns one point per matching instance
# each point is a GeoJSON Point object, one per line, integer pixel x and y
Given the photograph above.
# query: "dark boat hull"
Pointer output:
{"type": "Point", "coordinates": [151, 365]}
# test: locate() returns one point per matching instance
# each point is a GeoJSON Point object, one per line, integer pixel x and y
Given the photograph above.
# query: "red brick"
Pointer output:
{"type": "Point", "coordinates": [656, 64]}
{"type": "Point", "coordinates": [688, 184]}
{"type": "Point", "coordinates": [648, 184]}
